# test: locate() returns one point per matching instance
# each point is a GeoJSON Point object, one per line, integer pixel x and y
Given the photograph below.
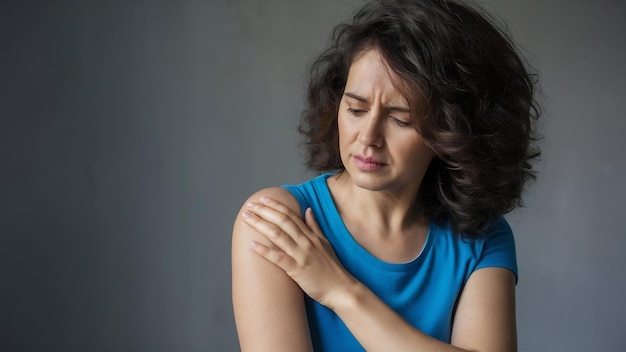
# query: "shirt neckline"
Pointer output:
{"type": "Point", "coordinates": [355, 247]}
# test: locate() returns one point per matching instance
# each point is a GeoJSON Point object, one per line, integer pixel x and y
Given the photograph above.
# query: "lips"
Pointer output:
{"type": "Point", "coordinates": [368, 163]}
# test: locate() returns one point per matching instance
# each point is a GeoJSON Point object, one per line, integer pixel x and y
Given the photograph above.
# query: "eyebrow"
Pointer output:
{"type": "Point", "coordinates": [364, 100]}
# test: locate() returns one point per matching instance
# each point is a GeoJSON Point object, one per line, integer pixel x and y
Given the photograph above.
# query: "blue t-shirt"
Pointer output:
{"type": "Point", "coordinates": [423, 291]}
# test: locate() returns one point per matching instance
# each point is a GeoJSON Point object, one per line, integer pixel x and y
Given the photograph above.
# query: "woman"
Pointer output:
{"type": "Point", "coordinates": [420, 118]}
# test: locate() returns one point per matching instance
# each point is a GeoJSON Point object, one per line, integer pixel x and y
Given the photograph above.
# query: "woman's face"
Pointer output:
{"type": "Point", "coordinates": [380, 146]}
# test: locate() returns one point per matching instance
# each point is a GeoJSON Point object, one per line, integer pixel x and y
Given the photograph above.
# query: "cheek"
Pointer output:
{"type": "Point", "coordinates": [423, 154]}
{"type": "Point", "coordinates": [346, 125]}
{"type": "Point", "coordinates": [343, 129]}
{"type": "Point", "coordinates": [416, 151]}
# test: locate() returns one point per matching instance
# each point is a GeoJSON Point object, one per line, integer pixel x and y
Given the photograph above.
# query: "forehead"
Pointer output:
{"type": "Point", "coordinates": [371, 76]}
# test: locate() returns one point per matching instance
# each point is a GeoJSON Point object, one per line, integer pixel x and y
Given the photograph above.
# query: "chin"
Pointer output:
{"type": "Point", "coordinates": [373, 181]}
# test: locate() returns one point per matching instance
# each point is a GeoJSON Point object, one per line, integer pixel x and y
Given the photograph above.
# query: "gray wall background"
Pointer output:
{"type": "Point", "coordinates": [131, 132]}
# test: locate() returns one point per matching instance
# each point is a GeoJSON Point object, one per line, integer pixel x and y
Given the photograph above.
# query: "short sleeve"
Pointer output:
{"type": "Point", "coordinates": [297, 193]}
{"type": "Point", "coordinates": [499, 248]}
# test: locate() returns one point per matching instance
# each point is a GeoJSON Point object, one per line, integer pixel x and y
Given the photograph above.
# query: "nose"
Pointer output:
{"type": "Point", "coordinates": [370, 133]}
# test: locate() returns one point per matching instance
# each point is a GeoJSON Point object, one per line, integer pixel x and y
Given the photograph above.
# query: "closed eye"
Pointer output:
{"type": "Point", "coordinates": [356, 112]}
{"type": "Point", "coordinates": [400, 122]}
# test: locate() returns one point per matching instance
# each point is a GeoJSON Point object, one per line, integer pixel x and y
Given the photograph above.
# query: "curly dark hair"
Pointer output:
{"type": "Point", "coordinates": [473, 98]}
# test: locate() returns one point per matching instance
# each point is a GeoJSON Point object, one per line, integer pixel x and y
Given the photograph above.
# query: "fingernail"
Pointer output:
{"type": "Point", "coordinates": [245, 215]}
{"type": "Point", "coordinates": [249, 204]}
{"type": "Point", "coordinates": [253, 244]}
{"type": "Point", "coordinates": [265, 199]}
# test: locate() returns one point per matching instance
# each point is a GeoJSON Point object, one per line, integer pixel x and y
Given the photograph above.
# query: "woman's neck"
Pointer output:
{"type": "Point", "coordinates": [388, 213]}
{"type": "Point", "coordinates": [388, 226]}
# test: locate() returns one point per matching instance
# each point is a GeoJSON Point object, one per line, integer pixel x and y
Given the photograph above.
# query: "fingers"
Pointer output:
{"type": "Point", "coordinates": [280, 215]}
{"type": "Point", "coordinates": [280, 259]}
{"type": "Point", "coordinates": [280, 207]}
{"type": "Point", "coordinates": [269, 230]}
{"type": "Point", "coordinates": [283, 227]}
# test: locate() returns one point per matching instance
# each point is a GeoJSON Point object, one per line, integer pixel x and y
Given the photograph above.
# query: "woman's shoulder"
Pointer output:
{"type": "Point", "coordinates": [281, 194]}
{"type": "Point", "coordinates": [496, 227]}
{"type": "Point", "coordinates": [318, 181]}
{"type": "Point", "coordinates": [310, 193]}
{"type": "Point", "coordinates": [497, 234]}
{"type": "Point", "coordinates": [244, 234]}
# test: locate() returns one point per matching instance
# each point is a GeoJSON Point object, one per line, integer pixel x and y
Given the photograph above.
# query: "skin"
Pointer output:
{"type": "Point", "coordinates": [277, 255]}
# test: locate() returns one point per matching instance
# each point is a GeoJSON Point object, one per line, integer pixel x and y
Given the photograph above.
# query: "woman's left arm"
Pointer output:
{"type": "Point", "coordinates": [485, 314]}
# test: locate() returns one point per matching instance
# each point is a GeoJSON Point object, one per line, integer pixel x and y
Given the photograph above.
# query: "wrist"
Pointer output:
{"type": "Point", "coordinates": [348, 297]}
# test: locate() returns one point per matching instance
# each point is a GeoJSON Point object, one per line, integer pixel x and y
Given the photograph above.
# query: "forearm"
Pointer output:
{"type": "Point", "coordinates": [378, 328]}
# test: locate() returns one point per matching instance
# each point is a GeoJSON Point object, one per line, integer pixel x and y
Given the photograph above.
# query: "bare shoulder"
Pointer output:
{"type": "Point", "coordinates": [243, 234]}
{"type": "Point", "coordinates": [276, 193]}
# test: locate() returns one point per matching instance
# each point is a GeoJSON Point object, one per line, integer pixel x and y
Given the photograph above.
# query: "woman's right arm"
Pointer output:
{"type": "Point", "coordinates": [268, 304]}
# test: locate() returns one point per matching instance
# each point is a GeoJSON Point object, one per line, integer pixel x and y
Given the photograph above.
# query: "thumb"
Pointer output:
{"type": "Point", "coordinates": [311, 222]}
